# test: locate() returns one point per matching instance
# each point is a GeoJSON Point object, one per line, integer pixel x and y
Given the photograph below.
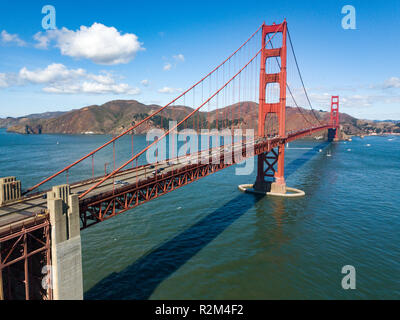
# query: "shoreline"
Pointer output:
{"type": "Point", "coordinates": [96, 134]}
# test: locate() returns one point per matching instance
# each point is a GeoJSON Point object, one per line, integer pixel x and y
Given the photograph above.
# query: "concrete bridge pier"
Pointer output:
{"type": "Point", "coordinates": [276, 185]}
{"type": "Point", "coordinates": [333, 134]}
{"type": "Point", "coordinates": [265, 187]}
{"type": "Point", "coordinates": [66, 253]}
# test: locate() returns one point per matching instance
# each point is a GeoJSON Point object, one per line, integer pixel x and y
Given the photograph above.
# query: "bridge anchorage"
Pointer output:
{"type": "Point", "coordinates": [40, 233]}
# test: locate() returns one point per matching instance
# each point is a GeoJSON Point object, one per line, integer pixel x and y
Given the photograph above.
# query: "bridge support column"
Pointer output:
{"type": "Point", "coordinates": [333, 134]}
{"type": "Point", "coordinates": [276, 183]}
{"type": "Point", "coordinates": [66, 253]}
{"type": "Point", "coordinates": [275, 158]}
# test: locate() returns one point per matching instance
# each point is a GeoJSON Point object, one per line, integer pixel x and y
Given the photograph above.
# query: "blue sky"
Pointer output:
{"type": "Point", "coordinates": [173, 44]}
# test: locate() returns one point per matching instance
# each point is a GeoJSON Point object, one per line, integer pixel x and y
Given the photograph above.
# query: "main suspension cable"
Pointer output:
{"type": "Point", "coordinates": [301, 78]}
{"type": "Point", "coordinates": [290, 91]}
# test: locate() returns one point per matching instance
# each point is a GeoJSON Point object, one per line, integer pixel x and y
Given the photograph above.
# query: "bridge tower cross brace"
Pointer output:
{"type": "Point", "coordinates": [274, 158]}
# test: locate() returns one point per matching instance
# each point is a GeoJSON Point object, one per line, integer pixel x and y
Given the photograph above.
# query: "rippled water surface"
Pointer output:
{"type": "Point", "coordinates": [209, 241]}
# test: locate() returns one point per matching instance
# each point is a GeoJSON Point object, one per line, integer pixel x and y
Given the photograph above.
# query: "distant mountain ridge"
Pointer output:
{"type": "Point", "coordinates": [115, 116]}
{"type": "Point", "coordinates": [12, 121]}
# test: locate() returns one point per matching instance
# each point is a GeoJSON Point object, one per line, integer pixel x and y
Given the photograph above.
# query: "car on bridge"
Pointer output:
{"type": "Point", "coordinates": [121, 182]}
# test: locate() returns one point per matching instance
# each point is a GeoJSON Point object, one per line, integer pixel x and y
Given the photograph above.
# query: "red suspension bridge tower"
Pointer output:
{"type": "Point", "coordinates": [334, 120]}
{"type": "Point", "coordinates": [270, 179]}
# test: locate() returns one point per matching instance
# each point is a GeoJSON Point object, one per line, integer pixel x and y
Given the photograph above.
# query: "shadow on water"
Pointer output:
{"type": "Point", "coordinates": [140, 279]}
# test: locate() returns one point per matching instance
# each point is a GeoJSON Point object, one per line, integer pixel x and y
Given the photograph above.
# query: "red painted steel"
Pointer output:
{"type": "Point", "coordinates": [104, 206]}
{"type": "Point", "coordinates": [334, 119]}
{"type": "Point", "coordinates": [18, 248]}
{"type": "Point", "coordinates": [279, 109]}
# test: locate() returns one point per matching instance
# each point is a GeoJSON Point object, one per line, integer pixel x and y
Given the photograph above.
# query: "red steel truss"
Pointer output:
{"type": "Point", "coordinates": [24, 251]}
{"type": "Point", "coordinates": [104, 206]}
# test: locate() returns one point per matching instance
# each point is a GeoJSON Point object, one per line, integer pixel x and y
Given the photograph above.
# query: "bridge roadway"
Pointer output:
{"type": "Point", "coordinates": [31, 208]}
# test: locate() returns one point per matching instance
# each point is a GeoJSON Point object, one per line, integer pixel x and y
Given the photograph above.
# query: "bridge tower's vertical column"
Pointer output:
{"type": "Point", "coordinates": [335, 114]}
{"type": "Point", "coordinates": [274, 158]}
{"type": "Point", "coordinates": [66, 253]}
{"type": "Point", "coordinates": [333, 134]}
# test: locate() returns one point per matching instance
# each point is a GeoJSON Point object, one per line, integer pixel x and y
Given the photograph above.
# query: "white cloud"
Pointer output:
{"type": "Point", "coordinates": [92, 87]}
{"type": "Point", "coordinates": [362, 100]}
{"type": "Point", "coordinates": [179, 57]}
{"type": "Point", "coordinates": [8, 80]}
{"type": "Point", "coordinates": [3, 80]}
{"type": "Point", "coordinates": [57, 78]}
{"type": "Point", "coordinates": [99, 43]}
{"type": "Point", "coordinates": [145, 83]}
{"type": "Point", "coordinates": [102, 78]}
{"type": "Point", "coordinates": [323, 100]}
{"type": "Point", "coordinates": [356, 100]}
{"type": "Point", "coordinates": [354, 96]}
{"type": "Point", "coordinates": [169, 90]}
{"type": "Point", "coordinates": [12, 38]}
{"type": "Point", "coordinates": [42, 39]}
{"type": "Point", "coordinates": [167, 66]}
{"type": "Point", "coordinates": [52, 73]}
{"type": "Point", "coordinates": [392, 82]}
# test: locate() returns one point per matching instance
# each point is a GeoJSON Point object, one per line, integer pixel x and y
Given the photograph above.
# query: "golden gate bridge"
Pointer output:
{"type": "Point", "coordinates": [33, 223]}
